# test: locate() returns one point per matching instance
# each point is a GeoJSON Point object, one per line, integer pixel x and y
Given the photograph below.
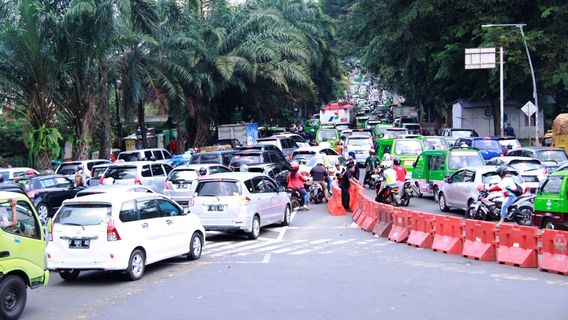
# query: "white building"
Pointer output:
{"type": "Point", "coordinates": [478, 115]}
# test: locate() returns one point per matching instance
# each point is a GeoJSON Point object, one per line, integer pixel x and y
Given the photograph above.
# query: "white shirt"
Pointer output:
{"type": "Point", "coordinates": [507, 184]}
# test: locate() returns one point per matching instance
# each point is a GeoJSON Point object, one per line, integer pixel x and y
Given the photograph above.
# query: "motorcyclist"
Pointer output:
{"type": "Point", "coordinates": [370, 165]}
{"type": "Point", "coordinates": [319, 175]}
{"type": "Point", "coordinates": [390, 179]}
{"type": "Point", "coordinates": [510, 191]}
{"type": "Point", "coordinates": [202, 172]}
{"type": "Point", "coordinates": [400, 171]}
{"type": "Point", "coordinates": [296, 181]}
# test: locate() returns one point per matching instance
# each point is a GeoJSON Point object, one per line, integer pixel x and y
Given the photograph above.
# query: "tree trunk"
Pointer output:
{"type": "Point", "coordinates": [142, 124]}
{"type": "Point", "coordinates": [44, 161]}
{"type": "Point", "coordinates": [105, 143]}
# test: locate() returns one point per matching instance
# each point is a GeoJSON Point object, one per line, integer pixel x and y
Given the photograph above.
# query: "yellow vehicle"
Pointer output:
{"type": "Point", "coordinates": [547, 141]}
{"type": "Point", "coordinates": [560, 131]}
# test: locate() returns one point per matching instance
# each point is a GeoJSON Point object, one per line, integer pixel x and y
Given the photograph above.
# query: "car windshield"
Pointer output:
{"type": "Point", "coordinates": [324, 135]}
{"type": "Point", "coordinates": [67, 168]}
{"type": "Point", "coordinates": [358, 141]}
{"type": "Point", "coordinates": [435, 144]}
{"type": "Point", "coordinates": [552, 155]}
{"type": "Point", "coordinates": [462, 159]}
{"type": "Point", "coordinates": [490, 178]}
{"type": "Point", "coordinates": [118, 173]}
{"type": "Point", "coordinates": [129, 156]}
{"type": "Point", "coordinates": [487, 145]}
{"type": "Point", "coordinates": [461, 133]}
{"type": "Point", "coordinates": [408, 148]}
{"type": "Point", "coordinates": [241, 159]}
{"type": "Point", "coordinates": [217, 189]}
{"type": "Point", "coordinates": [178, 176]}
{"type": "Point", "coordinates": [83, 214]}
{"type": "Point", "coordinates": [525, 165]}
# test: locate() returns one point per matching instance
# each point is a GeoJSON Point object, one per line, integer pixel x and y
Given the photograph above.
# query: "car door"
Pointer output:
{"type": "Point", "coordinates": [177, 229]}
{"type": "Point", "coordinates": [452, 187]}
{"type": "Point", "coordinates": [263, 198]}
{"type": "Point", "coordinates": [158, 177]}
{"type": "Point", "coordinates": [64, 189]}
{"type": "Point", "coordinates": [155, 231]}
{"type": "Point", "coordinates": [463, 190]}
{"type": "Point", "coordinates": [273, 212]}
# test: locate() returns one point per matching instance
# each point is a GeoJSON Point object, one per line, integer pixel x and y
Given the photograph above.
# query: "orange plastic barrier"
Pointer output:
{"type": "Point", "coordinates": [371, 218]}
{"type": "Point", "coordinates": [480, 240]}
{"type": "Point", "coordinates": [334, 206]}
{"type": "Point", "coordinates": [354, 197]}
{"type": "Point", "coordinates": [358, 209]}
{"type": "Point", "coordinates": [422, 229]}
{"type": "Point", "coordinates": [400, 226]}
{"type": "Point", "coordinates": [384, 220]}
{"type": "Point", "coordinates": [448, 237]}
{"type": "Point", "coordinates": [554, 252]}
{"type": "Point", "coordinates": [518, 246]}
{"type": "Point", "coordinates": [363, 204]}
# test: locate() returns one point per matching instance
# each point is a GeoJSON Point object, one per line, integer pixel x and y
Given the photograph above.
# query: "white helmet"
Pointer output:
{"type": "Point", "coordinates": [387, 157]}
{"type": "Point", "coordinates": [319, 161]}
{"type": "Point", "coordinates": [386, 164]}
{"type": "Point", "coordinates": [244, 168]}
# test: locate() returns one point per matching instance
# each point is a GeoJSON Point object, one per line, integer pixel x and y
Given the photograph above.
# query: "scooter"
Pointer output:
{"type": "Point", "coordinates": [488, 207]}
{"type": "Point", "coordinates": [316, 193]}
{"type": "Point", "coordinates": [296, 198]}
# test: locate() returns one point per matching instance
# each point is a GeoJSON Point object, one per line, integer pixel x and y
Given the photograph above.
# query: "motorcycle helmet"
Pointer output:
{"type": "Point", "coordinates": [396, 162]}
{"type": "Point", "coordinates": [372, 152]}
{"type": "Point", "coordinates": [202, 171]}
{"type": "Point", "coordinates": [80, 168]}
{"type": "Point", "coordinates": [386, 164]}
{"type": "Point", "coordinates": [352, 154]}
{"type": "Point", "coordinates": [294, 166]}
{"type": "Point", "coordinates": [387, 157]}
{"type": "Point", "coordinates": [319, 162]}
{"type": "Point", "coordinates": [502, 170]}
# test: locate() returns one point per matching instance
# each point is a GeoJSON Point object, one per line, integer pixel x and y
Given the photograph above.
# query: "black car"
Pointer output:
{"type": "Point", "coordinates": [47, 192]}
{"type": "Point", "coordinates": [214, 157]}
{"type": "Point", "coordinates": [274, 170]}
{"type": "Point", "coordinates": [11, 187]}
{"type": "Point", "coordinates": [252, 157]}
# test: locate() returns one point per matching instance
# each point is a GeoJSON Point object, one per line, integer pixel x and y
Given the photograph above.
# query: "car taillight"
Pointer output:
{"type": "Point", "coordinates": [112, 233]}
{"type": "Point", "coordinates": [544, 171]}
{"type": "Point", "coordinates": [31, 194]}
{"type": "Point", "coordinates": [246, 201]}
{"type": "Point", "coordinates": [479, 188]}
{"type": "Point", "coordinates": [166, 185]}
{"type": "Point", "coordinates": [137, 181]}
{"type": "Point", "coordinates": [102, 180]}
{"type": "Point", "coordinates": [49, 234]}
{"type": "Point", "coordinates": [190, 202]}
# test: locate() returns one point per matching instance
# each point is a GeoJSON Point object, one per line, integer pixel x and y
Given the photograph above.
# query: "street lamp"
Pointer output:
{"type": "Point", "coordinates": [535, 96]}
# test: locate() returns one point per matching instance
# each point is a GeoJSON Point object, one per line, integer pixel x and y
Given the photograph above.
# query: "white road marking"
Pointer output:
{"type": "Point", "coordinates": [308, 250]}
{"type": "Point", "coordinates": [243, 248]}
{"type": "Point", "coordinates": [266, 258]}
{"type": "Point", "coordinates": [211, 244]}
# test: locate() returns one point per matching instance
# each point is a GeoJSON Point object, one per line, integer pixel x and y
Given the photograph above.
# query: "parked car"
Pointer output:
{"type": "Point", "coordinates": [151, 154]}
{"type": "Point", "coordinates": [113, 188]}
{"type": "Point", "coordinates": [458, 133]}
{"type": "Point", "coordinates": [123, 231]}
{"type": "Point", "coordinates": [47, 192]}
{"type": "Point", "coordinates": [551, 202]}
{"type": "Point", "coordinates": [460, 190]}
{"type": "Point", "coordinates": [286, 145]}
{"type": "Point", "coordinates": [488, 148]}
{"type": "Point", "coordinates": [532, 170]}
{"type": "Point", "coordinates": [249, 157]}
{"type": "Point", "coordinates": [550, 157]}
{"type": "Point", "coordinates": [97, 172]}
{"type": "Point", "coordinates": [147, 173]}
{"type": "Point", "coordinates": [69, 168]}
{"type": "Point", "coordinates": [222, 157]}
{"type": "Point", "coordinates": [22, 255]}
{"type": "Point", "coordinates": [179, 180]}
{"type": "Point", "coordinates": [361, 145]}
{"type": "Point", "coordinates": [240, 201]}
{"type": "Point", "coordinates": [433, 166]}
{"type": "Point", "coordinates": [11, 174]}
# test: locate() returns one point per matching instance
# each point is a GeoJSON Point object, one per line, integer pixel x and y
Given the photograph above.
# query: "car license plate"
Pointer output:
{"type": "Point", "coordinates": [359, 152]}
{"type": "Point", "coordinates": [216, 207]}
{"type": "Point", "coordinates": [79, 243]}
{"type": "Point", "coordinates": [183, 186]}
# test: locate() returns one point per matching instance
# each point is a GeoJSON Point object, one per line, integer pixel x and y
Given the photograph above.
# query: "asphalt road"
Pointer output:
{"type": "Point", "coordinates": [321, 267]}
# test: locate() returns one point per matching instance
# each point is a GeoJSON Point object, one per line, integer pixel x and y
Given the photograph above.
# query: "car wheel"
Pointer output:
{"type": "Point", "coordinates": [42, 211]}
{"type": "Point", "coordinates": [405, 201]}
{"type": "Point", "coordinates": [195, 247]}
{"type": "Point", "coordinates": [436, 194]}
{"type": "Point", "coordinates": [287, 216]}
{"type": "Point", "coordinates": [69, 275]}
{"type": "Point", "coordinates": [549, 224]}
{"type": "Point", "coordinates": [255, 228]}
{"type": "Point", "coordinates": [442, 203]}
{"type": "Point", "coordinates": [13, 297]}
{"type": "Point", "coordinates": [524, 217]}
{"type": "Point", "coordinates": [136, 265]}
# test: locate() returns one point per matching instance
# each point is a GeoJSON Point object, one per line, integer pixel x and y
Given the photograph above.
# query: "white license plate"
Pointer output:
{"type": "Point", "coordinates": [183, 186]}
{"type": "Point", "coordinates": [216, 207]}
{"type": "Point", "coordinates": [359, 152]}
{"type": "Point", "coordinates": [79, 243]}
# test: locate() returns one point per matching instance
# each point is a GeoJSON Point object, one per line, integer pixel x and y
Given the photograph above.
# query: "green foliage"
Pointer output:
{"type": "Point", "coordinates": [44, 140]}
{"type": "Point", "coordinates": [11, 137]}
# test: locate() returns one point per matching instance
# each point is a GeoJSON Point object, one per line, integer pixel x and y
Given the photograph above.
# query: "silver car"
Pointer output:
{"type": "Point", "coordinates": [178, 182]}
{"type": "Point", "coordinates": [461, 189]}
{"type": "Point", "coordinates": [146, 173]}
{"type": "Point", "coordinates": [532, 170]}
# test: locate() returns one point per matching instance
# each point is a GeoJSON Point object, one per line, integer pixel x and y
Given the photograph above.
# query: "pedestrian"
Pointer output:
{"type": "Point", "coordinates": [345, 180]}
{"type": "Point", "coordinates": [4, 221]}
{"type": "Point", "coordinates": [509, 131]}
{"type": "Point", "coordinates": [173, 145]}
{"type": "Point", "coordinates": [352, 159]}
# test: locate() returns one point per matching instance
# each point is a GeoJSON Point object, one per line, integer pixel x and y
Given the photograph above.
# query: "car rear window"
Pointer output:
{"type": "Point", "coordinates": [324, 135]}
{"type": "Point", "coordinates": [524, 165]}
{"type": "Point", "coordinates": [241, 159]}
{"type": "Point", "coordinates": [552, 155]}
{"type": "Point", "coordinates": [178, 176]}
{"type": "Point", "coordinates": [67, 168]}
{"type": "Point", "coordinates": [129, 156]}
{"type": "Point", "coordinates": [222, 188]}
{"type": "Point", "coordinates": [435, 143]}
{"type": "Point", "coordinates": [461, 133]}
{"type": "Point", "coordinates": [83, 214]}
{"type": "Point", "coordinates": [408, 148]}
{"type": "Point", "coordinates": [487, 145]}
{"type": "Point", "coordinates": [462, 159]}
{"type": "Point", "coordinates": [355, 141]}
{"type": "Point", "coordinates": [552, 185]}
{"type": "Point", "coordinates": [490, 178]}
{"type": "Point", "coordinates": [98, 171]}
{"type": "Point", "coordinates": [119, 173]}
{"type": "Point", "coordinates": [205, 158]}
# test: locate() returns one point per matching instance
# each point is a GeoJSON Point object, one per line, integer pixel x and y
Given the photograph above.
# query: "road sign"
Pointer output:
{"type": "Point", "coordinates": [529, 109]}
{"type": "Point", "coordinates": [480, 58]}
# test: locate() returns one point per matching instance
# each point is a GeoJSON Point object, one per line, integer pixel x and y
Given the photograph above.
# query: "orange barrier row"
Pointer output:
{"type": "Point", "coordinates": [510, 244]}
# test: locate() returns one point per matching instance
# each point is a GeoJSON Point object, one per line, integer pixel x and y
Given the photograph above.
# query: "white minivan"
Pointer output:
{"type": "Point", "coordinates": [121, 231]}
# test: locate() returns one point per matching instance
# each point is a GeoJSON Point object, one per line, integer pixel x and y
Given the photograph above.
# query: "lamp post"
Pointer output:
{"type": "Point", "coordinates": [535, 95]}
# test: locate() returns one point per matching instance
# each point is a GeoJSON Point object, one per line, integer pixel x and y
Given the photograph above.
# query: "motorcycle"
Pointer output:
{"type": "Point", "coordinates": [296, 198]}
{"type": "Point", "coordinates": [373, 179]}
{"type": "Point", "coordinates": [316, 193]}
{"type": "Point", "coordinates": [393, 195]}
{"type": "Point", "coordinates": [488, 207]}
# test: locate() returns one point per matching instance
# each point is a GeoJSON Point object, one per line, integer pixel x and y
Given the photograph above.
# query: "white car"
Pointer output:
{"type": "Point", "coordinates": [147, 173]}
{"type": "Point", "coordinates": [240, 201]}
{"type": "Point", "coordinates": [361, 145]}
{"type": "Point", "coordinates": [9, 174]}
{"type": "Point", "coordinates": [531, 169]}
{"type": "Point", "coordinates": [121, 231]}
{"type": "Point", "coordinates": [303, 155]}
{"type": "Point", "coordinates": [178, 183]}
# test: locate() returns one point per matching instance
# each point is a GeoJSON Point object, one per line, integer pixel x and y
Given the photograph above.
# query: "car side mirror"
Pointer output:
{"type": "Point", "coordinates": [281, 189]}
{"type": "Point", "coordinates": [186, 211]}
{"type": "Point", "coordinates": [447, 180]}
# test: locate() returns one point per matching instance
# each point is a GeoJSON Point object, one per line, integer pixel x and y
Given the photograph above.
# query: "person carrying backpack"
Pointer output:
{"type": "Point", "coordinates": [511, 190]}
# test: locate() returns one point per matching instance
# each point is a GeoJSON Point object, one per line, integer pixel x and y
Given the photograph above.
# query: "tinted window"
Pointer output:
{"type": "Point", "coordinates": [437, 163]}
{"type": "Point", "coordinates": [130, 156]}
{"type": "Point", "coordinates": [158, 154]}
{"type": "Point", "coordinates": [62, 182]}
{"type": "Point", "coordinates": [83, 214]}
{"type": "Point", "coordinates": [469, 176]}
{"type": "Point", "coordinates": [148, 155]}
{"type": "Point", "coordinates": [249, 186]}
{"type": "Point", "coordinates": [269, 186]}
{"type": "Point", "coordinates": [67, 168]}
{"type": "Point", "coordinates": [148, 209]}
{"type": "Point", "coordinates": [487, 145]}
{"type": "Point", "coordinates": [168, 209]}
{"type": "Point", "coordinates": [47, 183]}
{"type": "Point", "coordinates": [205, 158]}
{"type": "Point", "coordinates": [245, 159]}
{"type": "Point", "coordinates": [227, 158]}
{"type": "Point", "coordinates": [128, 212]}
{"type": "Point", "coordinates": [98, 172]}
{"type": "Point", "coordinates": [119, 173]}
{"type": "Point", "coordinates": [224, 188]}
{"type": "Point", "coordinates": [157, 170]}
{"type": "Point", "coordinates": [181, 176]}
{"type": "Point", "coordinates": [551, 155]}
{"type": "Point", "coordinates": [167, 168]}
{"type": "Point", "coordinates": [458, 177]}
{"type": "Point", "coordinates": [552, 185]}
